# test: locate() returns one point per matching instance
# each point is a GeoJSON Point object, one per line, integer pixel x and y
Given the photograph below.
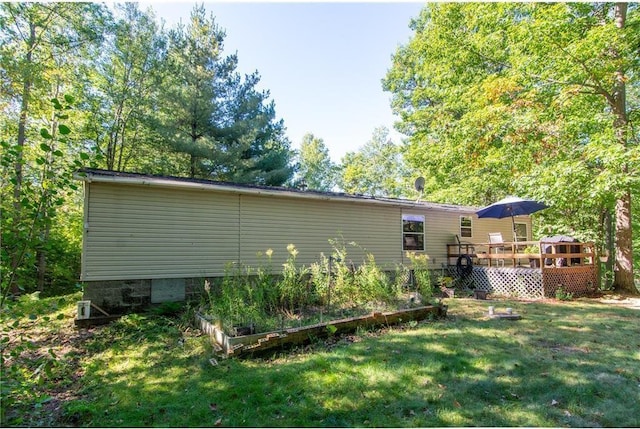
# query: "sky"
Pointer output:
{"type": "Point", "coordinates": [322, 63]}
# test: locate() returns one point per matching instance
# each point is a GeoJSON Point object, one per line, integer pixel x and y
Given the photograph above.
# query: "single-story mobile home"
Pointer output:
{"type": "Point", "coordinates": [150, 239]}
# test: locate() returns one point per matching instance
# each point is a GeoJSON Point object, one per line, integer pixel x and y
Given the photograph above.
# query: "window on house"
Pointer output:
{"type": "Point", "coordinates": [521, 232]}
{"type": "Point", "coordinates": [412, 232]}
{"type": "Point", "coordinates": [466, 229]}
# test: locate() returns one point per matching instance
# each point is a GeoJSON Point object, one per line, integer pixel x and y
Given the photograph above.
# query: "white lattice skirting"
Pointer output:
{"type": "Point", "coordinates": [515, 282]}
{"type": "Point", "coordinates": [534, 282]}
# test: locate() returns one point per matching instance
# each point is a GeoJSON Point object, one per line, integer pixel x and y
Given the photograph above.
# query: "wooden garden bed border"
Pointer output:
{"type": "Point", "coordinates": [234, 346]}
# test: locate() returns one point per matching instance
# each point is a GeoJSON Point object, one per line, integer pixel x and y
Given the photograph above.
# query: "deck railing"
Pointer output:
{"type": "Point", "coordinates": [546, 254]}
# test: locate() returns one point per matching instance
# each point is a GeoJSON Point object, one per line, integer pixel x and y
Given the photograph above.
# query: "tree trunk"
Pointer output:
{"type": "Point", "coordinates": [608, 246]}
{"type": "Point", "coordinates": [41, 258]}
{"type": "Point", "coordinates": [611, 246]}
{"type": "Point", "coordinates": [624, 237]}
{"type": "Point", "coordinates": [22, 124]}
{"type": "Point", "coordinates": [22, 138]}
{"type": "Point", "coordinates": [192, 166]}
{"type": "Point", "coordinates": [624, 252]}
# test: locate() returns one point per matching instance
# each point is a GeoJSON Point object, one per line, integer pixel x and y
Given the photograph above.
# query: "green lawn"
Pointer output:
{"type": "Point", "coordinates": [573, 363]}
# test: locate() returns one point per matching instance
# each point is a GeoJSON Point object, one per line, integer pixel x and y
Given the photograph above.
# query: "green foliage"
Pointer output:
{"type": "Point", "coordinates": [43, 48]}
{"type": "Point", "coordinates": [321, 277]}
{"type": "Point", "coordinates": [373, 283]}
{"type": "Point", "coordinates": [292, 288]}
{"type": "Point", "coordinates": [249, 296]}
{"type": "Point", "coordinates": [126, 85]}
{"type": "Point", "coordinates": [35, 246]}
{"type": "Point", "coordinates": [341, 288]}
{"type": "Point", "coordinates": [218, 123]}
{"type": "Point", "coordinates": [562, 295]}
{"type": "Point", "coordinates": [168, 309]}
{"type": "Point", "coordinates": [525, 99]}
{"type": "Point", "coordinates": [331, 330]}
{"type": "Point", "coordinates": [377, 169]}
{"type": "Point", "coordinates": [315, 169]}
{"type": "Point", "coordinates": [236, 303]}
{"type": "Point", "coordinates": [422, 273]}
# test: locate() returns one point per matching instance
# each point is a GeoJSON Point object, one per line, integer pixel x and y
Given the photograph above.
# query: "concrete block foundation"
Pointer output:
{"type": "Point", "coordinates": [126, 296]}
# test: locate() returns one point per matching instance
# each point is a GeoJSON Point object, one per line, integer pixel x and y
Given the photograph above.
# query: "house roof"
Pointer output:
{"type": "Point", "coordinates": [106, 176]}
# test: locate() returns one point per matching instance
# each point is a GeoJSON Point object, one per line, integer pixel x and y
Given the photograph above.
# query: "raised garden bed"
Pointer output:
{"type": "Point", "coordinates": [244, 344]}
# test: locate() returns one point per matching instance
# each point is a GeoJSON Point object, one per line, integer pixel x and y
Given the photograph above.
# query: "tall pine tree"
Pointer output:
{"type": "Point", "coordinates": [217, 120]}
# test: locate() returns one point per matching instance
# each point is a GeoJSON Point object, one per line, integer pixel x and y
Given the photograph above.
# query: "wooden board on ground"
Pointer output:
{"type": "Point", "coordinates": [269, 340]}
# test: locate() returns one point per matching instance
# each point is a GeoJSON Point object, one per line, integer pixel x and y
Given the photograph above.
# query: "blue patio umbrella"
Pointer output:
{"type": "Point", "coordinates": [511, 206]}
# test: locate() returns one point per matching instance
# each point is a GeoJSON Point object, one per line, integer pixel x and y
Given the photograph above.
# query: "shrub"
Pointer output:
{"type": "Point", "coordinates": [292, 287]}
{"type": "Point", "coordinates": [422, 274]}
{"type": "Point", "coordinates": [168, 309]}
{"type": "Point", "coordinates": [373, 284]}
{"type": "Point", "coordinates": [320, 279]}
{"type": "Point", "coordinates": [562, 295]}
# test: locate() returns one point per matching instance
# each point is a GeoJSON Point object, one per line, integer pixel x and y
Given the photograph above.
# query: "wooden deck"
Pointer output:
{"type": "Point", "coordinates": [505, 269]}
{"type": "Point", "coordinates": [548, 254]}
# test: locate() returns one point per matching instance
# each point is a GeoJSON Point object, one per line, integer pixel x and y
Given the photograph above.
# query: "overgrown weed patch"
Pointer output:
{"type": "Point", "coordinates": [250, 299]}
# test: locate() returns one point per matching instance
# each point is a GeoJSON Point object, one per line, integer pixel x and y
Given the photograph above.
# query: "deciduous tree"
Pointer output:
{"type": "Point", "coordinates": [377, 169]}
{"type": "Point", "coordinates": [316, 171]}
{"type": "Point", "coordinates": [125, 82]}
{"type": "Point", "coordinates": [41, 49]}
{"type": "Point", "coordinates": [528, 99]}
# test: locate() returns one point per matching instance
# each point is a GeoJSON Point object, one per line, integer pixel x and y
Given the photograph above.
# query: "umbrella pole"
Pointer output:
{"type": "Point", "coordinates": [514, 248]}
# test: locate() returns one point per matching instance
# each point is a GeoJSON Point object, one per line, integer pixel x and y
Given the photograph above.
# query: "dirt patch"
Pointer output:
{"type": "Point", "coordinates": [632, 302]}
{"type": "Point", "coordinates": [621, 301]}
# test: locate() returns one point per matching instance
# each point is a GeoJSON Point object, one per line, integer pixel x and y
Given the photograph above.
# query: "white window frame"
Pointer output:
{"type": "Point", "coordinates": [414, 236]}
{"type": "Point", "coordinates": [465, 228]}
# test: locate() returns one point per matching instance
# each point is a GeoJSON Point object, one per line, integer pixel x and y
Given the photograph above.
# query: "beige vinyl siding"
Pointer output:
{"type": "Point", "coordinates": [272, 222]}
{"type": "Point", "coordinates": [482, 228]}
{"type": "Point", "coordinates": [137, 231]}
{"type": "Point", "coordinates": [140, 232]}
{"type": "Point", "coordinates": [441, 227]}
